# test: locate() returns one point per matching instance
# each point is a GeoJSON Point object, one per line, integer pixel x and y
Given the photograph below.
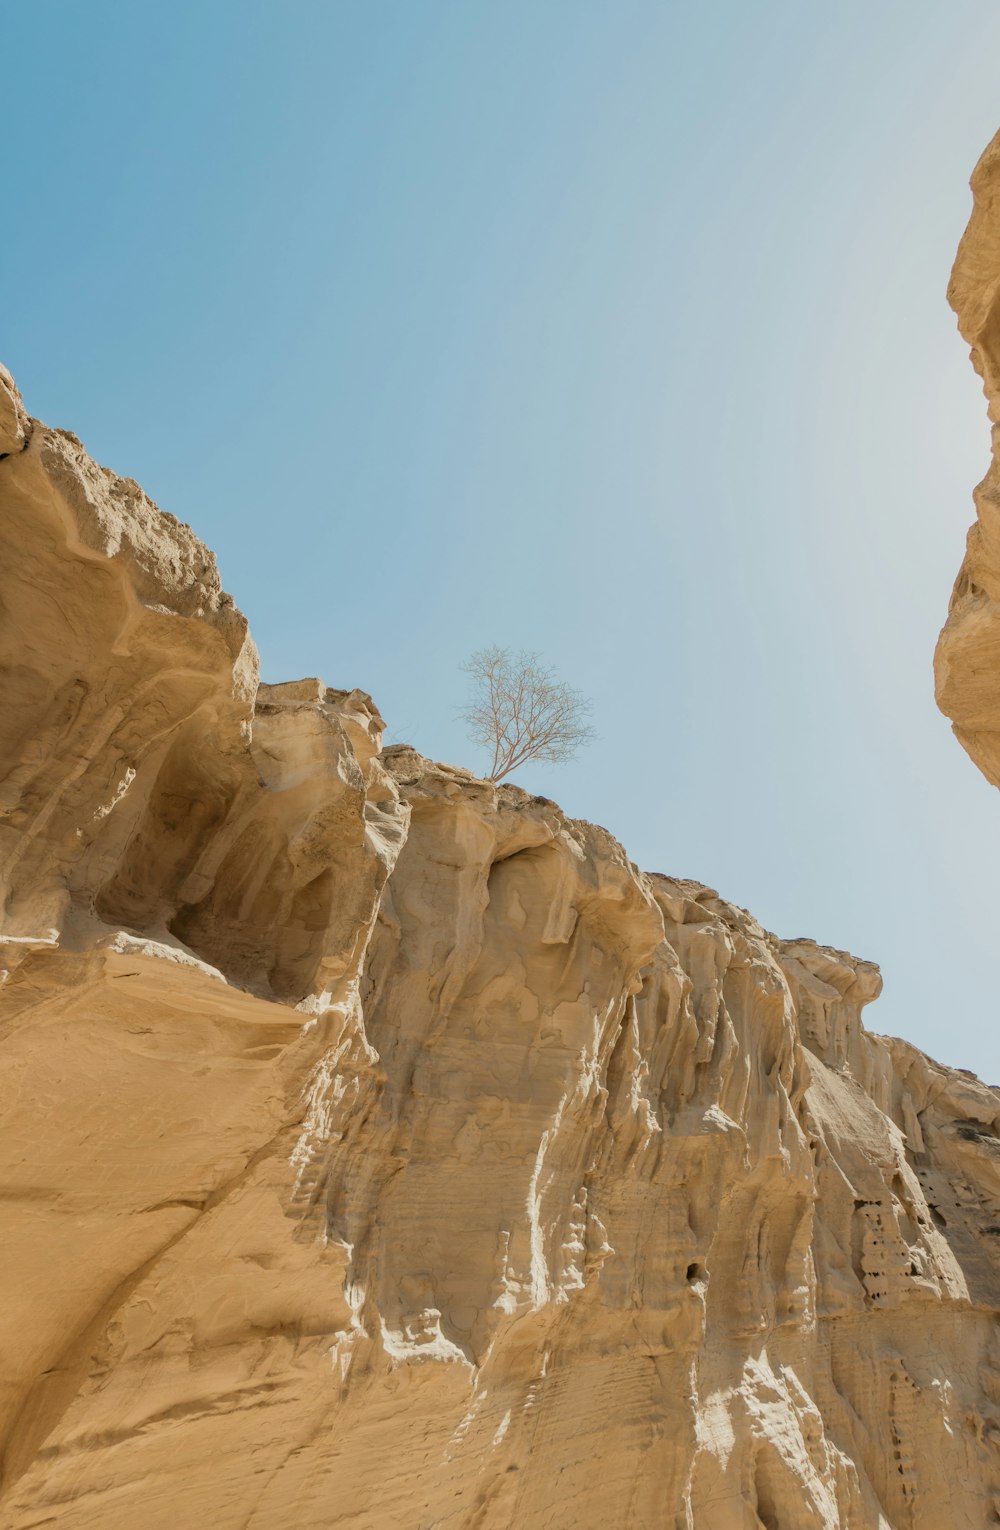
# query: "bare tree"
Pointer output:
{"type": "Point", "coordinates": [521, 712]}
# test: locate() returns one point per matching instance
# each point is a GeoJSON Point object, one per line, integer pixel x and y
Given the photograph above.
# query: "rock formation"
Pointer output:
{"type": "Point", "coordinates": [967, 663]}
{"type": "Point", "coordinates": [383, 1149]}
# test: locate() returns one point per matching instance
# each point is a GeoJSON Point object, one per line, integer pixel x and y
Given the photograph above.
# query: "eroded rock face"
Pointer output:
{"type": "Point", "coordinates": [967, 663]}
{"type": "Point", "coordinates": [382, 1148]}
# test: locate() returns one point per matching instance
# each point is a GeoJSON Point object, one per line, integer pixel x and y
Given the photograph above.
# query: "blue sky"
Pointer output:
{"type": "Point", "coordinates": [611, 330]}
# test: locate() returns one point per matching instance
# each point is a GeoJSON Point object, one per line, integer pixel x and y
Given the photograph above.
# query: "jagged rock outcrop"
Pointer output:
{"type": "Point", "coordinates": [967, 663]}
{"type": "Point", "coordinates": [383, 1149]}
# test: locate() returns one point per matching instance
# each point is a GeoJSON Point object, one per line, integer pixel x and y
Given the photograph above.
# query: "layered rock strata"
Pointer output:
{"type": "Point", "coordinates": [383, 1149]}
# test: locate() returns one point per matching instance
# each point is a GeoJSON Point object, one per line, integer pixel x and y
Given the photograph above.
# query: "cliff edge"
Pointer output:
{"type": "Point", "coordinates": [967, 662]}
{"type": "Point", "coordinates": [384, 1149]}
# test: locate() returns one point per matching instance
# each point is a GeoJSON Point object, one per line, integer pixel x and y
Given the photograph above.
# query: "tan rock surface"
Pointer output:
{"type": "Point", "coordinates": [383, 1149]}
{"type": "Point", "coordinates": [967, 663]}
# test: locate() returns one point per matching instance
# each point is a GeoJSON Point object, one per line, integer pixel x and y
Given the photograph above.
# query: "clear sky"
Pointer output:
{"type": "Point", "coordinates": [613, 330]}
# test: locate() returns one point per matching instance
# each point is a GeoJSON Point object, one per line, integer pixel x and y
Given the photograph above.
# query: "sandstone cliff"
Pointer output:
{"type": "Point", "coordinates": [383, 1149]}
{"type": "Point", "coordinates": [967, 663]}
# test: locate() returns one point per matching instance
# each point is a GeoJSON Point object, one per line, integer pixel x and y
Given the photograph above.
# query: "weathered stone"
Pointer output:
{"type": "Point", "coordinates": [967, 662]}
{"type": "Point", "coordinates": [14, 424]}
{"type": "Point", "coordinates": [382, 1148]}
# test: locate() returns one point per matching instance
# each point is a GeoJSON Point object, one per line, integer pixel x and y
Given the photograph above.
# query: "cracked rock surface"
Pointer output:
{"type": "Point", "coordinates": [383, 1149]}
